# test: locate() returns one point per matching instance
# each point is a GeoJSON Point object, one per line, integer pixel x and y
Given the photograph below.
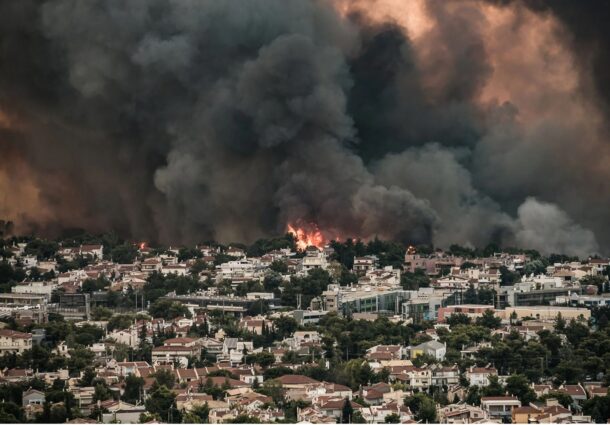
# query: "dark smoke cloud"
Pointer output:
{"type": "Point", "coordinates": [185, 120]}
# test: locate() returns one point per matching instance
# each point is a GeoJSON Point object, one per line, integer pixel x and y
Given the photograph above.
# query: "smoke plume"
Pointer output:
{"type": "Point", "coordinates": [427, 121]}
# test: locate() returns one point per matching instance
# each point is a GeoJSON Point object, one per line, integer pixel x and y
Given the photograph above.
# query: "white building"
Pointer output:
{"type": "Point", "coordinates": [128, 337]}
{"type": "Point", "coordinates": [238, 270]}
{"type": "Point", "coordinates": [29, 261]}
{"type": "Point", "coordinates": [177, 269]}
{"type": "Point", "coordinates": [14, 342]}
{"type": "Point", "coordinates": [499, 406]}
{"type": "Point", "coordinates": [314, 259]}
{"type": "Point", "coordinates": [431, 348]}
{"type": "Point", "coordinates": [40, 288]}
{"type": "Point", "coordinates": [480, 375]}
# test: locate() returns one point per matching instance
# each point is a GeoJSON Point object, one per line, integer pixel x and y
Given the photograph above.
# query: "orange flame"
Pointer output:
{"type": "Point", "coordinates": [306, 237]}
{"type": "Point", "coordinates": [142, 246]}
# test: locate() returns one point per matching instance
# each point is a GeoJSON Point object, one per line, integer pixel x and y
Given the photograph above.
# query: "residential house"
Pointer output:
{"type": "Point", "coordinates": [333, 407]}
{"type": "Point", "coordinates": [32, 402]}
{"type": "Point", "coordinates": [385, 352]}
{"type": "Point", "coordinates": [151, 265]}
{"type": "Point", "coordinates": [32, 396]}
{"type": "Point", "coordinates": [177, 269]}
{"type": "Point", "coordinates": [121, 412]}
{"type": "Point", "coordinates": [296, 387]}
{"type": "Point", "coordinates": [175, 354]}
{"type": "Point", "coordinates": [480, 375]}
{"type": "Point", "coordinates": [363, 264]}
{"type": "Point", "coordinates": [377, 414]}
{"type": "Point", "coordinates": [373, 394]}
{"type": "Point", "coordinates": [445, 375]}
{"type": "Point", "coordinates": [253, 325]}
{"type": "Point", "coordinates": [14, 342]}
{"type": "Point", "coordinates": [499, 407]}
{"type": "Point", "coordinates": [233, 350]}
{"type": "Point", "coordinates": [415, 378]}
{"type": "Point", "coordinates": [93, 251]}
{"type": "Point", "coordinates": [549, 412]}
{"type": "Point", "coordinates": [577, 392]}
{"type": "Point", "coordinates": [461, 413]}
{"type": "Point", "coordinates": [431, 348]}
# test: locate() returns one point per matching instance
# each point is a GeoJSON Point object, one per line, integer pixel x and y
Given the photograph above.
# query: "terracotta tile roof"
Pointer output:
{"type": "Point", "coordinates": [296, 380]}
{"type": "Point", "coordinates": [8, 333]}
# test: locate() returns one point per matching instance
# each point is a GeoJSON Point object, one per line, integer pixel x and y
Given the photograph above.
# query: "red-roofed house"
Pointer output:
{"type": "Point", "coordinates": [14, 342]}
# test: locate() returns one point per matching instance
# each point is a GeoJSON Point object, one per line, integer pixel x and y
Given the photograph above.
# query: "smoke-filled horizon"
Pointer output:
{"type": "Point", "coordinates": [424, 121]}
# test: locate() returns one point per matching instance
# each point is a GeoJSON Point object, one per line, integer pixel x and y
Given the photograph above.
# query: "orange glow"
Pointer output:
{"type": "Point", "coordinates": [306, 236]}
{"type": "Point", "coordinates": [410, 15]}
{"type": "Point", "coordinates": [142, 245]}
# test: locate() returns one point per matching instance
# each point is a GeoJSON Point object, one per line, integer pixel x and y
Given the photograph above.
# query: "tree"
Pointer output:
{"type": "Point", "coordinates": [347, 411]}
{"type": "Point", "coordinates": [569, 371]}
{"type": "Point", "coordinates": [494, 388]}
{"type": "Point", "coordinates": [92, 285]}
{"type": "Point", "coordinates": [188, 254]}
{"type": "Point", "coordinates": [162, 402]}
{"type": "Point", "coordinates": [124, 254]}
{"type": "Point", "coordinates": [357, 418]}
{"type": "Point", "coordinates": [273, 388]}
{"type": "Point", "coordinates": [414, 281]}
{"type": "Point", "coordinates": [507, 277]}
{"type": "Point", "coordinates": [284, 326]}
{"type": "Point", "coordinates": [80, 358]}
{"type": "Point", "coordinates": [598, 408]}
{"type": "Point", "coordinates": [423, 406]}
{"type": "Point", "coordinates": [10, 412]}
{"type": "Point", "coordinates": [87, 378]}
{"type": "Point", "coordinates": [273, 282]}
{"type": "Point", "coordinates": [346, 277]}
{"type": "Point", "coordinates": [165, 377]}
{"type": "Point", "coordinates": [308, 287]}
{"type": "Point", "coordinates": [518, 385]}
{"type": "Point", "coordinates": [199, 414]}
{"type": "Point", "coordinates": [560, 323]}
{"type": "Point", "coordinates": [458, 319]}
{"type": "Point", "coordinates": [120, 321]}
{"type": "Point", "coordinates": [101, 392]}
{"type": "Point", "coordinates": [576, 332]}
{"type": "Point", "coordinates": [392, 418]}
{"type": "Point", "coordinates": [489, 320]}
{"type": "Point", "coordinates": [258, 307]}
{"type": "Point", "coordinates": [58, 414]}
{"type": "Point", "coordinates": [279, 266]}
{"type": "Point", "coordinates": [42, 249]}
{"type": "Point", "coordinates": [473, 396]}
{"type": "Point", "coordinates": [471, 295]}
{"type": "Point", "coordinates": [264, 359]}
{"type": "Point", "coordinates": [169, 309]}
{"type": "Point", "coordinates": [101, 313]}
{"type": "Point", "coordinates": [133, 388]}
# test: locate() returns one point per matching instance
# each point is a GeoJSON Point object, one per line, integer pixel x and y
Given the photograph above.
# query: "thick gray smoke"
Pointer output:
{"type": "Point", "coordinates": [180, 121]}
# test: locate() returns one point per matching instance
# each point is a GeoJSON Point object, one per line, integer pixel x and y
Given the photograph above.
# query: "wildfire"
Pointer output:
{"type": "Point", "coordinates": [310, 236]}
{"type": "Point", "coordinates": [142, 246]}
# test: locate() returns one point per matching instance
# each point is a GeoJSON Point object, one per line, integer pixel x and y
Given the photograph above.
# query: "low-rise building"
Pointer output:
{"type": "Point", "coordinates": [480, 375]}
{"type": "Point", "coordinates": [499, 407]}
{"type": "Point", "coordinates": [430, 348]}
{"type": "Point", "coordinates": [14, 342]}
